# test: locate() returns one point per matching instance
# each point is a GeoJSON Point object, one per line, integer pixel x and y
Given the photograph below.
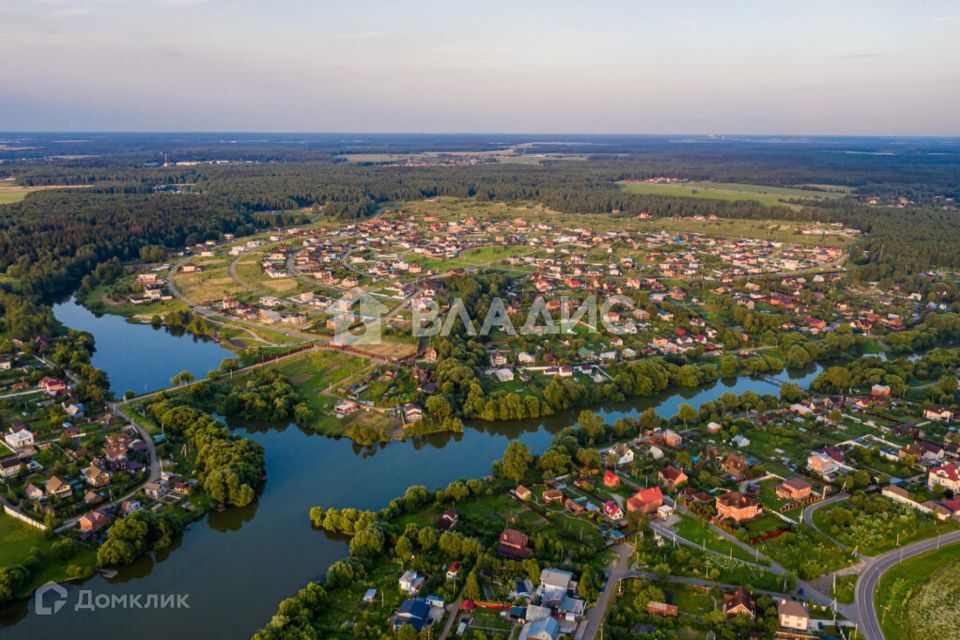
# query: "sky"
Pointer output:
{"type": "Point", "coordinates": [848, 67]}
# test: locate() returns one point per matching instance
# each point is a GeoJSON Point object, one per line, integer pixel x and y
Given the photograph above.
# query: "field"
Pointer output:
{"type": "Point", "coordinates": [775, 231]}
{"type": "Point", "coordinates": [729, 191]}
{"type": "Point", "coordinates": [920, 598]}
{"type": "Point", "coordinates": [11, 192]}
{"type": "Point", "coordinates": [17, 542]}
{"type": "Point", "coordinates": [316, 371]}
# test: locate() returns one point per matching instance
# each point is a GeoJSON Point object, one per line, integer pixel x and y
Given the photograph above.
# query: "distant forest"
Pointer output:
{"type": "Point", "coordinates": [52, 239]}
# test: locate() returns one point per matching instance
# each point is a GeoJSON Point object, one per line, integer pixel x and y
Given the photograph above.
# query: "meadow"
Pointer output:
{"type": "Point", "coordinates": [729, 191]}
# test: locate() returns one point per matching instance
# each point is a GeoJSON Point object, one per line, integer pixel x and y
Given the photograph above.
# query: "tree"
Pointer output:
{"type": "Point", "coordinates": [649, 419]}
{"type": "Point", "coordinates": [587, 587]}
{"type": "Point", "coordinates": [471, 588]}
{"type": "Point", "coordinates": [427, 538]}
{"type": "Point", "coordinates": [687, 413]}
{"type": "Point", "coordinates": [181, 378]}
{"type": "Point", "coordinates": [516, 461]}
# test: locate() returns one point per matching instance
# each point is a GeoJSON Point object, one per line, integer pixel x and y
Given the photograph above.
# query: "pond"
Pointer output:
{"type": "Point", "coordinates": [140, 357]}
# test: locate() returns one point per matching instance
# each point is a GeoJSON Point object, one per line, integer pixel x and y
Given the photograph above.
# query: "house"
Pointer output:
{"type": "Point", "coordinates": [739, 602]}
{"type": "Point", "coordinates": [52, 386]}
{"type": "Point", "coordinates": [552, 496]}
{"type": "Point", "coordinates": [412, 412]}
{"type": "Point", "coordinates": [947, 476]}
{"type": "Point", "coordinates": [937, 413]}
{"type": "Point", "coordinates": [513, 545]}
{"type": "Point", "coordinates": [58, 488]}
{"type": "Point", "coordinates": [622, 453]}
{"type": "Point", "coordinates": [544, 629]}
{"type": "Point", "coordinates": [880, 390]}
{"type": "Point", "coordinates": [737, 507]}
{"type": "Point", "coordinates": [610, 479]}
{"type": "Point", "coordinates": [573, 506]}
{"type": "Point", "coordinates": [646, 500]}
{"type": "Point", "coordinates": [20, 439]}
{"type": "Point", "coordinates": [93, 521]}
{"type": "Point", "coordinates": [794, 489]}
{"type": "Point", "coordinates": [555, 584]}
{"type": "Point", "coordinates": [95, 476]}
{"type": "Point", "coordinates": [822, 464]}
{"type": "Point", "coordinates": [10, 466]}
{"type": "Point", "coordinates": [672, 439]}
{"type": "Point", "coordinates": [793, 615]}
{"type": "Point", "coordinates": [740, 441]}
{"type": "Point", "coordinates": [671, 477]}
{"type": "Point", "coordinates": [414, 612]}
{"type": "Point", "coordinates": [612, 510]}
{"type": "Point", "coordinates": [736, 466]}
{"type": "Point", "coordinates": [522, 492]}
{"type": "Point", "coordinates": [155, 490]}
{"type": "Point", "coordinates": [370, 595]}
{"type": "Point", "coordinates": [662, 609]}
{"type": "Point", "coordinates": [33, 492]}
{"type": "Point", "coordinates": [130, 506]}
{"type": "Point", "coordinates": [411, 581]}
{"type": "Point", "coordinates": [344, 407]}
{"type": "Point", "coordinates": [453, 570]}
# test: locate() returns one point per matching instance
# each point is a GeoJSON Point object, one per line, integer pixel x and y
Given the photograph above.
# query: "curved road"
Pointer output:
{"type": "Point", "coordinates": [870, 578]}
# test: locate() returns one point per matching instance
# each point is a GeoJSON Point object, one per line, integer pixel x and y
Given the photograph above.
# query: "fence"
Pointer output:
{"type": "Point", "coordinates": [10, 511]}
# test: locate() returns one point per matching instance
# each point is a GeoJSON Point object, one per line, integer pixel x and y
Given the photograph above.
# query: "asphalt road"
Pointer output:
{"type": "Point", "coordinates": [870, 578]}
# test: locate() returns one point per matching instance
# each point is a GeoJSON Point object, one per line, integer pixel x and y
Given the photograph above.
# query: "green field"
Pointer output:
{"type": "Point", "coordinates": [729, 191]}
{"type": "Point", "coordinates": [695, 531]}
{"type": "Point", "coordinates": [773, 230]}
{"type": "Point", "coordinates": [920, 598]}
{"type": "Point", "coordinates": [18, 542]}
{"type": "Point", "coordinates": [11, 192]}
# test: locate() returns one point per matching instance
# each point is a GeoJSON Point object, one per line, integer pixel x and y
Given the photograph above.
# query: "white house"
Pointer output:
{"type": "Point", "coordinates": [793, 615]}
{"type": "Point", "coordinates": [19, 439]}
{"type": "Point", "coordinates": [410, 582]}
{"type": "Point", "coordinates": [947, 476]}
{"type": "Point", "coordinates": [623, 453]}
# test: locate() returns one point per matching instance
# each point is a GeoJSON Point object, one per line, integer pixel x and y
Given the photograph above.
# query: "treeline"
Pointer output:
{"type": "Point", "coordinates": [263, 395]}
{"type": "Point", "coordinates": [52, 239]}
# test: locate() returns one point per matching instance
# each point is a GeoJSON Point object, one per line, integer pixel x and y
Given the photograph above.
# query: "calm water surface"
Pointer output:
{"type": "Point", "coordinates": [237, 565]}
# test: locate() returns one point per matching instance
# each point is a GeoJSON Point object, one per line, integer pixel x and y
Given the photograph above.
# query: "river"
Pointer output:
{"type": "Point", "coordinates": [237, 565]}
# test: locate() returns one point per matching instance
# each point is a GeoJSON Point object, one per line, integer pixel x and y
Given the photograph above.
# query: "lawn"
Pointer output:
{"type": "Point", "coordinates": [729, 191]}
{"type": "Point", "coordinates": [17, 540]}
{"type": "Point", "coordinates": [845, 589]}
{"type": "Point", "coordinates": [695, 531]}
{"type": "Point", "coordinates": [920, 598]}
